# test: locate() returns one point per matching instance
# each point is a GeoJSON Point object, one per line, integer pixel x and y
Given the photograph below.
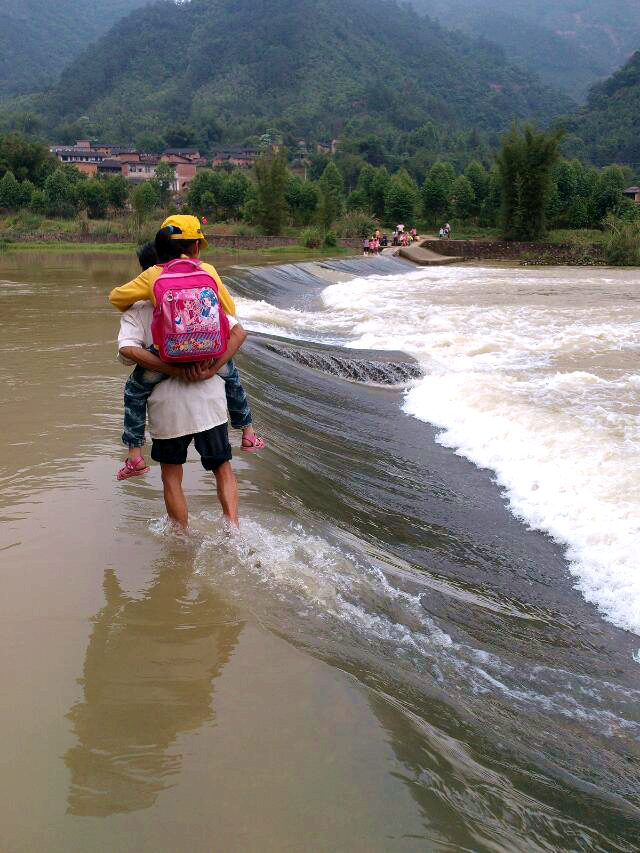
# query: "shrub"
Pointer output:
{"type": "Point", "coordinates": [60, 194]}
{"type": "Point", "coordinates": [105, 229]}
{"type": "Point", "coordinates": [144, 199]}
{"type": "Point", "coordinates": [9, 191]}
{"type": "Point", "coordinates": [25, 191]}
{"type": "Point", "coordinates": [136, 232]}
{"type": "Point", "coordinates": [26, 222]}
{"type": "Point", "coordinates": [92, 195]}
{"type": "Point", "coordinates": [312, 238]}
{"type": "Point", "coordinates": [117, 190]}
{"type": "Point", "coordinates": [38, 203]}
{"type": "Point", "coordinates": [356, 224]}
{"type": "Point", "coordinates": [622, 242]}
{"type": "Point", "coordinates": [330, 239]}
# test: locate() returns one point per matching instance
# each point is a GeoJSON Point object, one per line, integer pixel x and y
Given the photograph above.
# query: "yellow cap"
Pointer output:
{"type": "Point", "coordinates": [186, 228]}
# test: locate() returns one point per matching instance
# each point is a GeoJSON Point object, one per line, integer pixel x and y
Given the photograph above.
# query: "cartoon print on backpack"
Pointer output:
{"type": "Point", "coordinates": [208, 307]}
{"type": "Point", "coordinates": [196, 310]}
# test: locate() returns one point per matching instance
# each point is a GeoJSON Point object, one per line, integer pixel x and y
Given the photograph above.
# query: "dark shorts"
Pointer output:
{"type": "Point", "coordinates": [212, 445]}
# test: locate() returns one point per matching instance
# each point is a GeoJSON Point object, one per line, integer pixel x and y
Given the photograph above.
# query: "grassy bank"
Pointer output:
{"type": "Point", "coordinates": [27, 232]}
{"type": "Point", "coordinates": [576, 237]}
{"type": "Point", "coordinates": [53, 246]}
{"type": "Point", "coordinates": [222, 258]}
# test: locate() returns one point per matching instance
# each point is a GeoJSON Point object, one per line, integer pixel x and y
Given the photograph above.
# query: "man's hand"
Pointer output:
{"type": "Point", "coordinates": [199, 372]}
{"type": "Point", "coordinates": [175, 371]}
{"type": "Point", "coordinates": [203, 370]}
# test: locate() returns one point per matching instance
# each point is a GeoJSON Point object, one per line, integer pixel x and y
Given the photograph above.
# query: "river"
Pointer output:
{"type": "Point", "coordinates": [426, 636]}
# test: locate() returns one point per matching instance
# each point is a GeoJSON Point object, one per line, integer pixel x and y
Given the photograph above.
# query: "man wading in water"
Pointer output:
{"type": "Point", "coordinates": [190, 405]}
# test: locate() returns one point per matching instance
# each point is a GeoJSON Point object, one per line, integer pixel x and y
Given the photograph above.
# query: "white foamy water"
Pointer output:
{"type": "Point", "coordinates": [534, 374]}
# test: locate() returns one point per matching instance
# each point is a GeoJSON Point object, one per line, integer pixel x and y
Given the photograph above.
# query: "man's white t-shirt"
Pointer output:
{"type": "Point", "coordinates": [175, 407]}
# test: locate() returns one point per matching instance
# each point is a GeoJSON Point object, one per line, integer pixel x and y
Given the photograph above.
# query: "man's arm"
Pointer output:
{"type": "Point", "coordinates": [193, 372]}
{"type": "Point", "coordinates": [146, 359]}
{"type": "Point", "coordinates": [207, 369]}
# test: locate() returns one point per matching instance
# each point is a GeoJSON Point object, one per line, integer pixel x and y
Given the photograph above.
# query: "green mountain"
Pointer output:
{"type": "Point", "coordinates": [38, 38]}
{"type": "Point", "coordinates": [570, 43]}
{"type": "Point", "coordinates": [607, 130]}
{"type": "Point", "coordinates": [307, 69]}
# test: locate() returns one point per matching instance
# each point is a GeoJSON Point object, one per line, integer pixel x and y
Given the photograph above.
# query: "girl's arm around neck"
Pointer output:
{"type": "Point", "coordinates": [141, 287]}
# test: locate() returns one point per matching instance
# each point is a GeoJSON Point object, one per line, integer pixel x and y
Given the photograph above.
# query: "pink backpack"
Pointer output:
{"type": "Point", "coordinates": [188, 321]}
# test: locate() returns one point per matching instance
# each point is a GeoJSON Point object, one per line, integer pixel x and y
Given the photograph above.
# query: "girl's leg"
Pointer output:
{"type": "Point", "coordinates": [136, 393]}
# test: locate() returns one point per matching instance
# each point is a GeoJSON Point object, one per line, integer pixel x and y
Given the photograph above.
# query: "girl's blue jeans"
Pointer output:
{"type": "Point", "coordinates": [142, 382]}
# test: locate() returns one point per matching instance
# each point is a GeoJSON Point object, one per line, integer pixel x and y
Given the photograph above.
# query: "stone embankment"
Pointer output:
{"type": "Point", "coordinates": [231, 241]}
{"type": "Point", "coordinates": [60, 237]}
{"type": "Point", "coordinates": [501, 250]}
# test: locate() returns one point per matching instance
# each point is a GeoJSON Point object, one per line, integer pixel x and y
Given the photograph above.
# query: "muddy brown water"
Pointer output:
{"type": "Point", "coordinates": [384, 660]}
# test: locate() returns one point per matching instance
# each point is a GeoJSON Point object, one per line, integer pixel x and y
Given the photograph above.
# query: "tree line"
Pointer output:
{"type": "Point", "coordinates": [530, 187]}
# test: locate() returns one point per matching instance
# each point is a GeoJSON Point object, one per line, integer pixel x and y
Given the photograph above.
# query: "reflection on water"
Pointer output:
{"type": "Point", "coordinates": [148, 677]}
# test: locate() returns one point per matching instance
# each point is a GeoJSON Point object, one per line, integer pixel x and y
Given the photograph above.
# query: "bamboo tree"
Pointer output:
{"type": "Point", "coordinates": [331, 188]}
{"type": "Point", "coordinates": [271, 185]}
{"type": "Point", "coordinates": [526, 160]}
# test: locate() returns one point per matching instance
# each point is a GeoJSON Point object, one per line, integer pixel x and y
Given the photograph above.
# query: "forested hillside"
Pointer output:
{"type": "Point", "coordinates": [38, 38]}
{"type": "Point", "coordinates": [306, 69]}
{"type": "Point", "coordinates": [569, 43]}
{"type": "Point", "coordinates": [608, 128]}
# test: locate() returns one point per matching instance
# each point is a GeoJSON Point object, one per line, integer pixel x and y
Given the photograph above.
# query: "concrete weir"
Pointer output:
{"type": "Point", "coordinates": [425, 257]}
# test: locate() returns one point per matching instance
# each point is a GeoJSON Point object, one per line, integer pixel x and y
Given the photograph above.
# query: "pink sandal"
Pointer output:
{"type": "Point", "coordinates": [132, 469]}
{"type": "Point", "coordinates": [252, 444]}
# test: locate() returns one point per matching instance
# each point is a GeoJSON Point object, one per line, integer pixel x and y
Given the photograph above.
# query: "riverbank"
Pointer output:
{"type": "Point", "coordinates": [216, 254]}
{"type": "Point", "coordinates": [216, 241]}
{"type": "Point", "coordinates": [32, 230]}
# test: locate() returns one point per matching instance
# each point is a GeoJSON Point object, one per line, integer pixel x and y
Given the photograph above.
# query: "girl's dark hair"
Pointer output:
{"type": "Point", "coordinates": [169, 249]}
{"type": "Point", "coordinates": [147, 255]}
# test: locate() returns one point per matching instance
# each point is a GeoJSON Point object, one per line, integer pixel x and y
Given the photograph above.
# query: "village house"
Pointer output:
{"type": "Point", "coordinates": [241, 158]}
{"type": "Point", "coordinates": [101, 148]}
{"type": "Point", "coordinates": [99, 159]}
{"type": "Point", "coordinates": [185, 171]}
{"type": "Point", "coordinates": [190, 154]}
{"type": "Point", "coordinates": [135, 170]}
{"type": "Point", "coordinates": [89, 169]}
{"type": "Point", "coordinates": [129, 155]}
{"type": "Point", "coordinates": [110, 167]}
{"type": "Point", "coordinates": [77, 155]}
{"type": "Point", "coordinates": [633, 193]}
